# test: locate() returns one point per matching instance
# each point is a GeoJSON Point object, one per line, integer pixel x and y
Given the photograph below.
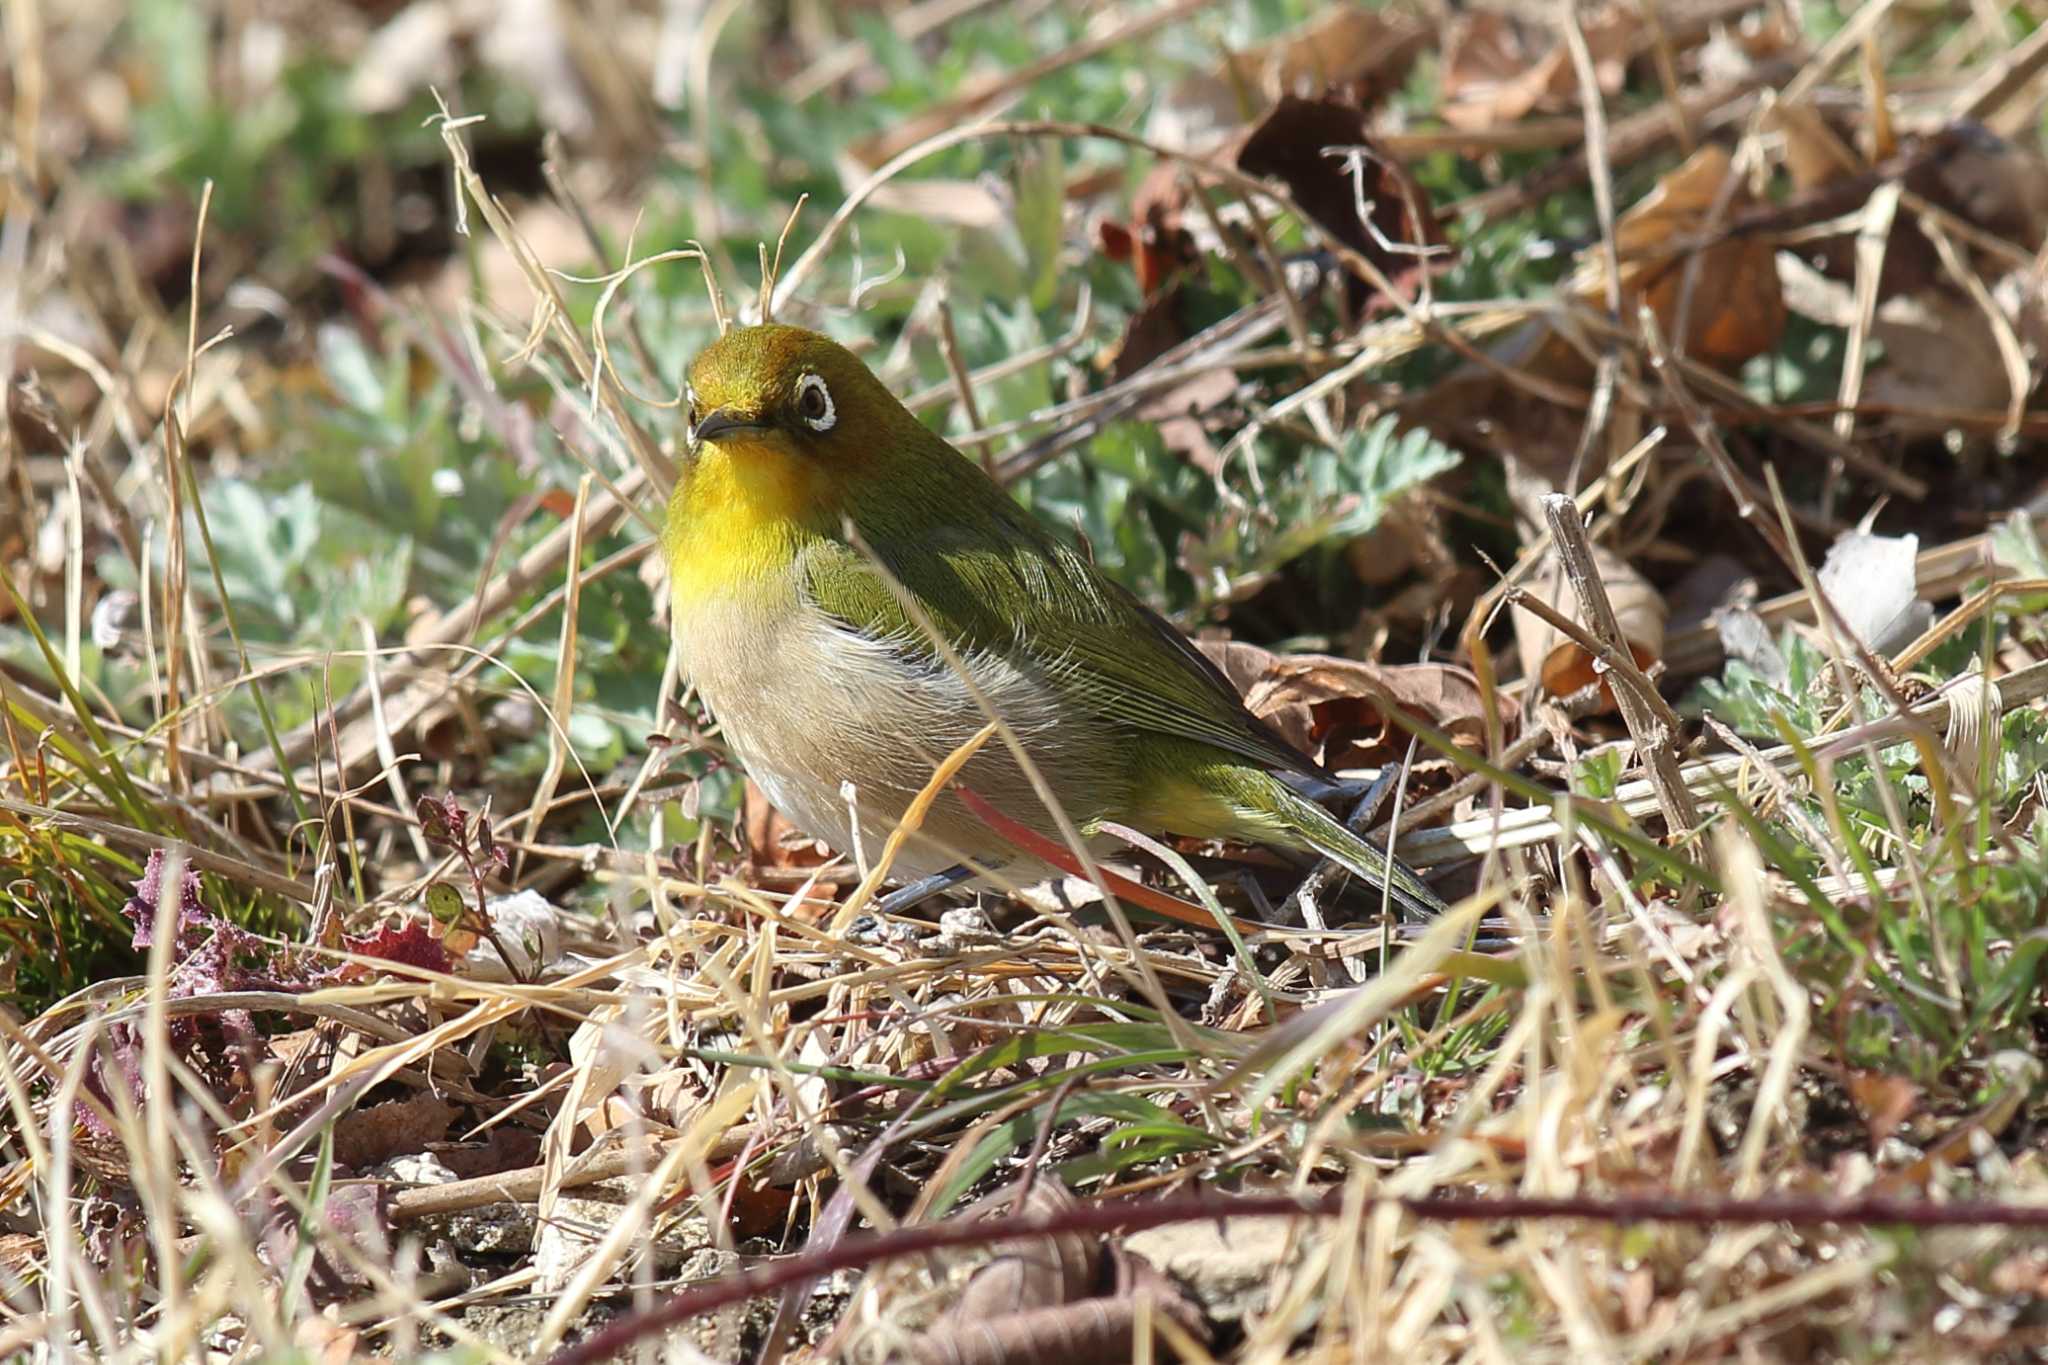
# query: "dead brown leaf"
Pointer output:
{"type": "Point", "coordinates": [1155, 241]}
{"type": "Point", "coordinates": [1814, 154]}
{"type": "Point", "coordinates": [1940, 354]}
{"type": "Point", "coordinates": [1330, 708]}
{"type": "Point", "coordinates": [1045, 1300]}
{"type": "Point", "coordinates": [1498, 68]}
{"type": "Point", "coordinates": [1353, 52]}
{"type": "Point", "coordinates": [1963, 169]}
{"type": "Point", "coordinates": [1735, 309]}
{"type": "Point", "coordinates": [1030, 1272]}
{"type": "Point", "coordinates": [1991, 183]}
{"type": "Point", "coordinates": [1178, 411]}
{"type": "Point", "coordinates": [365, 1137]}
{"type": "Point", "coordinates": [1153, 330]}
{"type": "Point", "coordinates": [1355, 193]}
{"type": "Point", "coordinates": [771, 840]}
{"type": "Point", "coordinates": [1730, 303]}
{"type": "Point", "coordinates": [503, 1148]}
{"type": "Point", "coordinates": [1886, 1101]}
{"type": "Point", "coordinates": [1560, 663]}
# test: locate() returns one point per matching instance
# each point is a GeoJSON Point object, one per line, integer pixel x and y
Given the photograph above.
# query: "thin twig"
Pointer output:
{"type": "Point", "coordinates": [1655, 736]}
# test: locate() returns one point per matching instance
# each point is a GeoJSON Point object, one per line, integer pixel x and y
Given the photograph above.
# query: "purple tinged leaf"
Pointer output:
{"type": "Point", "coordinates": [191, 918]}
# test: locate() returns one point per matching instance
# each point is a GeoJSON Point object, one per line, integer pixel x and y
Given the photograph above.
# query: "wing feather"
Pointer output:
{"type": "Point", "coordinates": [1043, 609]}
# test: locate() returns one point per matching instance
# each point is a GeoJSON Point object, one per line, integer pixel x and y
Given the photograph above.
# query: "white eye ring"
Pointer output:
{"type": "Point", "coordinates": [690, 400]}
{"type": "Point", "coordinates": [807, 386]}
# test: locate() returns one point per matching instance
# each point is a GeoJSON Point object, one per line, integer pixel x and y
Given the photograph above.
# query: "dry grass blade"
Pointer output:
{"type": "Point", "coordinates": [395, 963]}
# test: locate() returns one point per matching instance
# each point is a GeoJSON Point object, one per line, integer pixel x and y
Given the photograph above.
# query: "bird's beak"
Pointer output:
{"type": "Point", "coordinates": [716, 424]}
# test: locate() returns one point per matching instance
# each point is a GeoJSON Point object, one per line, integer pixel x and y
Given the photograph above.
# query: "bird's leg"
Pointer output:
{"type": "Point", "coordinates": [913, 894]}
{"type": "Point", "coordinates": [1262, 905]}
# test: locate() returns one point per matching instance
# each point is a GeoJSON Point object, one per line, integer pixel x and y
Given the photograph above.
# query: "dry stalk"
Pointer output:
{"type": "Point", "coordinates": [1655, 736]}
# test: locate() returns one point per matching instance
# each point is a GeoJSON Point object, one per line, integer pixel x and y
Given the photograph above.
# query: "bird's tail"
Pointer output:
{"type": "Point", "coordinates": [1328, 836]}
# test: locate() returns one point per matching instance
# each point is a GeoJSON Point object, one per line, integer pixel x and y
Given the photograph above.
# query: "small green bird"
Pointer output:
{"type": "Point", "coordinates": [819, 678]}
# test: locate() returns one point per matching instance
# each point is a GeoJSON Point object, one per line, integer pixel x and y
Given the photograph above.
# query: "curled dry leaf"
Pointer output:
{"type": "Point", "coordinates": [1498, 67]}
{"type": "Point", "coordinates": [773, 842]}
{"type": "Point", "coordinates": [1156, 241]}
{"type": "Point", "coordinates": [1319, 152]}
{"type": "Point", "coordinates": [1031, 1272]}
{"type": "Point", "coordinates": [1095, 1331]}
{"type": "Point", "coordinates": [503, 1148]}
{"type": "Point", "coordinates": [1407, 561]}
{"type": "Point", "coordinates": [1042, 1300]}
{"type": "Point", "coordinates": [1330, 707]}
{"type": "Point", "coordinates": [1814, 154]}
{"type": "Point", "coordinates": [1952, 334]}
{"type": "Point", "coordinates": [1154, 329]}
{"type": "Point", "coordinates": [1941, 356]}
{"type": "Point", "coordinates": [1178, 413]}
{"type": "Point", "coordinates": [1350, 51]}
{"type": "Point", "coordinates": [1560, 664]}
{"type": "Point", "coordinates": [1939, 353]}
{"type": "Point", "coordinates": [1962, 168]}
{"type": "Point", "coordinates": [365, 1137]}
{"type": "Point", "coordinates": [1729, 306]}
{"type": "Point", "coordinates": [1989, 182]}
{"type": "Point", "coordinates": [1735, 309]}
{"type": "Point", "coordinates": [1350, 55]}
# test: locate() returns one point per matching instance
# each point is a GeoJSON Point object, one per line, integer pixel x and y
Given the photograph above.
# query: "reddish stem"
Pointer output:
{"type": "Point", "coordinates": [1130, 1215]}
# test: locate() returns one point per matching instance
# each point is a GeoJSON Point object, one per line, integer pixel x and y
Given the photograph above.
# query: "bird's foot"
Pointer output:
{"type": "Point", "coordinates": [910, 895]}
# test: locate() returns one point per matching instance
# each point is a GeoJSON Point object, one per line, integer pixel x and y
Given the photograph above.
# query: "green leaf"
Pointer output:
{"type": "Point", "coordinates": [445, 904]}
{"type": "Point", "coordinates": [1143, 1117]}
{"type": "Point", "coordinates": [1379, 463]}
{"type": "Point", "coordinates": [1041, 205]}
{"type": "Point", "coordinates": [1100, 1039]}
{"type": "Point", "coordinates": [350, 371]}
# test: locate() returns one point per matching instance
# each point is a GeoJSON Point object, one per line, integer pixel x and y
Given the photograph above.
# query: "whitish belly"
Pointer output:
{"type": "Point", "coordinates": [841, 733]}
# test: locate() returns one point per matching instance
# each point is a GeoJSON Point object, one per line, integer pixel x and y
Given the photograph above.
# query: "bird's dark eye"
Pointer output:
{"type": "Point", "coordinates": [814, 403]}
{"type": "Point", "coordinates": [690, 396]}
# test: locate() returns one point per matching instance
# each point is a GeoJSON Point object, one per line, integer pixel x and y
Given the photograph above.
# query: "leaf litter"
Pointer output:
{"type": "Point", "coordinates": [1760, 301]}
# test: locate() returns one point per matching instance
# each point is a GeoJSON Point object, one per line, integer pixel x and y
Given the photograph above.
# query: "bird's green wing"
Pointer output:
{"type": "Point", "coordinates": [1024, 598]}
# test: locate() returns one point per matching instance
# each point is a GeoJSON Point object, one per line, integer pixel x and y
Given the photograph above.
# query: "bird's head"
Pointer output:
{"type": "Point", "coordinates": [791, 437]}
{"type": "Point", "coordinates": [793, 423]}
